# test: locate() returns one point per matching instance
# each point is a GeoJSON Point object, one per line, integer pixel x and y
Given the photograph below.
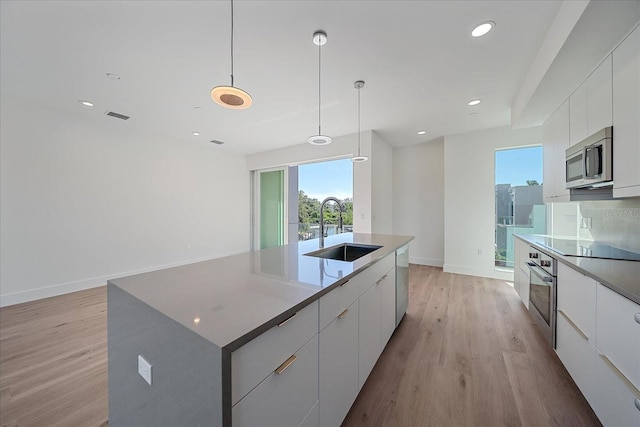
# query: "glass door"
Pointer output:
{"type": "Point", "coordinates": [270, 208]}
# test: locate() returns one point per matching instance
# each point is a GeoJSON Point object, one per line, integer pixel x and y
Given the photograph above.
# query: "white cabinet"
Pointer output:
{"type": "Point", "coordinates": [376, 323]}
{"type": "Point", "coordinates": [339, 366]}
{"type": "Point", "coordinates": [618, 332]}
{"type": "Point", "coordinates": [254, 361]}
{"type": "Point", "coordinates": [626, 117]}
{"type": "Point", "coordinates": [618, 360]}
{"type": "Point", "coordinates": [555, 140]}
{"type": "Point", "coordinates": [286, 396]}
{"type": "Point", "coordinates": [369, 333]}
{"type": "Point", "coordinates": [616, 405]}
{"type": "Point", "coordinates": [576, 327]}
{"type": "Point", "coordinates": [590, 106]}
{"type": "Point", "coordinates": [578, 114]}
{"type": "Point", "coordinates": [521, 271]}
{"type": "Point", "coordinates": [387, 307]}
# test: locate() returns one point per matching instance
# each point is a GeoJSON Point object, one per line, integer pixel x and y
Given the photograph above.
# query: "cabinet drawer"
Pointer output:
{"type": "Point", "coordinates": [283, 399]}
{"type": "Point", "coordinates": [577, 355]}
{"type": "Point", "coordinates": [336, 301]}
{"type": "Point", "coordinates": [618, 332]}
{"type": "Point", "coordinates": [577, 299]}
{"type": "Point", "coordinates": [616, 404]}
{"type": "Point", "coordinates": [373, 273]}
{"type": "Point", "coordinates": [255, 360]}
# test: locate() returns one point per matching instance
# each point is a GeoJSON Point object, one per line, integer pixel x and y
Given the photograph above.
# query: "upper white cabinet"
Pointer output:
{"type": "Point", "coordinates": [626, 117]}
{"type": "Point", "coordinates": [555, 136]}
{"type": "Point", "coordinates": [590, 105]}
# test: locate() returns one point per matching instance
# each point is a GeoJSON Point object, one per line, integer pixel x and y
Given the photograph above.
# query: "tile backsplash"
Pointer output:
{"type": "Point", "coordinates": [614, 222]}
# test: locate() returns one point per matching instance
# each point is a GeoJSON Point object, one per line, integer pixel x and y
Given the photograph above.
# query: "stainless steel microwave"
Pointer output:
{"type": "Point", "coordinates": [589, 163]}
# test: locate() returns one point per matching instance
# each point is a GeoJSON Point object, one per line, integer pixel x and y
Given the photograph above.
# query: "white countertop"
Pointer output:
{"type": "Point", "coordinates": [238, 297]}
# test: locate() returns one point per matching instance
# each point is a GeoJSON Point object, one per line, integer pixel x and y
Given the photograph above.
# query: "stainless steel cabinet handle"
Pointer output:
{"type": "Point", "coordinates": [344, 313]}
{"type": "Point", "coordinates": [280, 369]}
{"type": "Point", "coordinates": [632, 388]}
{"type": "Point", "coordinates": [637, 317]}
{"type": "Point", "coordinates": [381, 279]}
{"type": "Point", "coordinates": [574, 326]}
{"type": "Point", "coordinates": [284, 322]}
{"type": "Point", "coordinates": [637, 402]}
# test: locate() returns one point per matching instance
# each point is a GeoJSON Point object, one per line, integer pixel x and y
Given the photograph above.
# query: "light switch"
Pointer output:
{"type": "Point", "coordinates": [144, 369]}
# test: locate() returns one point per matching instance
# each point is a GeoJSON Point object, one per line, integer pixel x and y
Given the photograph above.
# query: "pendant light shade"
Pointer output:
{"type": "Point", "coordinates": [319, 39]}
{"type": "Point", "coordinates": [231, 96]}
{"type": "Point", "coordinates": [359, 158]}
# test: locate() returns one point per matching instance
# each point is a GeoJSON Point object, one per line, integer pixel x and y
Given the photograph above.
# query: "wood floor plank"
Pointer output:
{"type": "Point", "coordinates": [466, 354]}
{"type": "Point", "coordinates": [470, 356]}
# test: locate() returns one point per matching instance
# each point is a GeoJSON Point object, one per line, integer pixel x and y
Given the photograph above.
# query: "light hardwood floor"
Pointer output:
{"type": "Point", "coordinates": [466, 354]}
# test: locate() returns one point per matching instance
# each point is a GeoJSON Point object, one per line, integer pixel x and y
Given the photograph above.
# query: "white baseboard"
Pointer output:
{"type": "Point", "coordinates": [426, 261]}
{"type": "Point", "coordinates": [94, 282]}
{"type": "Point", "coordinates": [489, 272]}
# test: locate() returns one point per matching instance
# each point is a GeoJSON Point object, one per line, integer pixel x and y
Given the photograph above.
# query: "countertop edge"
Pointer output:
{"type": "Point", "coordinates": [242, 340]}
{"type": "Point", "coordinates": [569, 263]}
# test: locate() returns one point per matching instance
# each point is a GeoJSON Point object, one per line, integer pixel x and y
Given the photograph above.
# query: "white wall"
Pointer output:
{"type": "Point", "coordinates": [418, 200]}
{"type": "Point", "coordinates": [85, 198]}
{"type": "Point", "coordinates": [469, 197]}
{"type": "Point", "coordinates": [381, 186]}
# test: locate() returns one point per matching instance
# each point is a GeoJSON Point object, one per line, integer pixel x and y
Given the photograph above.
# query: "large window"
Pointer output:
{"type": "Point", "coordinates": [317, 181]}
{"type": "Point", "coordinates": [519, 203]}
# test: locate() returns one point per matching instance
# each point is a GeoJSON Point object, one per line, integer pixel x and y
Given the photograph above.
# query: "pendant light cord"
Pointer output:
{"type": "Point", "coordinates": [319, 93]}
{"type": "Point", "coordinates": [231, 43]}
{"type": "Point", "coordinates": [358, 122]}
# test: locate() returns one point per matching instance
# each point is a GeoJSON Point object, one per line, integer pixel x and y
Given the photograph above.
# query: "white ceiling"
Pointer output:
{"type": "Point", "coordinates": [419, 62]}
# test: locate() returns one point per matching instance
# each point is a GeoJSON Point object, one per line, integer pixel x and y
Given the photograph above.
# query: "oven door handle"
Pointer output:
{"type": "Point", "coordinates": [543, 275]}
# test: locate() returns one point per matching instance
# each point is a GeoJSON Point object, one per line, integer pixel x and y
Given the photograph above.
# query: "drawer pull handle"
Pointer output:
{"type": "Point", "coordinates": [344, 313]}
{"type": "Point", "coordinates": [284, 322]}
{"type": "Point", "coordinates": [280, 369]}
{"type": "Point", "coordinates": [621, 376]}
{"type": "Point", "coordinates": [381, 279]}
{"type": "Point", "coordinates": [637, 402]}
{"type": "Point", "coordinates": [574, 326]}
{"type": "Point", "coordinates": [637, 317]}
{"type": "Point", "coordinates": [341, 285]}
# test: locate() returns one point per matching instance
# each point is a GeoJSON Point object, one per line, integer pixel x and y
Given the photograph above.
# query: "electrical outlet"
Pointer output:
{"type": "Point", "coordinates": [144, 369]}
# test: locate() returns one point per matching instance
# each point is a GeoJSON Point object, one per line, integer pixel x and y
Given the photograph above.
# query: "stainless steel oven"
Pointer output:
{"type": "Point", "coordinates": [542, 293]}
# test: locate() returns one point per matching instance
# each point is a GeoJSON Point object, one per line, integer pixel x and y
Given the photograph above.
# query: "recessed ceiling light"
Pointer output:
{"type": "Point", "coordinates": [422, 132]}
{"type": "Point", "coordinates": [474, 102]}
{"type": "Point", "coordinates": [195, 133]}
{"type": "Point", "coordinates": [483, 29]}
{"type": "Point", "coordinates": [85, 103]}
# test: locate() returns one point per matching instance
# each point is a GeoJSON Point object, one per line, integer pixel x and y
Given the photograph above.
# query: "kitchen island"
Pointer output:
{"type": "Point", "coordinates": [211, 332]}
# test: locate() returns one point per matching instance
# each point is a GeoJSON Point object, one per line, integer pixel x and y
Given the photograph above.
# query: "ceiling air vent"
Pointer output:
{"type": "Point", "coordinates": [117, 115]}
{"type": "Point", "coordinates": [215, 141]}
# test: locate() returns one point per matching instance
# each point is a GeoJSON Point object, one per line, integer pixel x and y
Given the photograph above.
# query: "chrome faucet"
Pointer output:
{"type": "Point", "coordinates": [328, 199]}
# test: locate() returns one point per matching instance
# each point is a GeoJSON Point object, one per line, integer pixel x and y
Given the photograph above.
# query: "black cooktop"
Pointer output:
{"type": "Point", "coordinates": [586, 248]}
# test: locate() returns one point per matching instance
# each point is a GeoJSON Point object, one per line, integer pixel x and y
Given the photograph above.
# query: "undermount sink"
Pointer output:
{"type": "Point", "coordinates": [344, 252]}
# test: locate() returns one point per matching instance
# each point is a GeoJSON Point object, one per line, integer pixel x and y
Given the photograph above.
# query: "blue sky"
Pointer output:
{"type": "Point", "coordinates": [516, 166]}
{"type": "Point", "coordinates": [321, 180]}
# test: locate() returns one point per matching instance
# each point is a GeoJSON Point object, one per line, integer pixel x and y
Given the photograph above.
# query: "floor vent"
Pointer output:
{"type": "Point", "coordinates": [117, 115]}
{"type": "Point", "coordinates": [215, 141]}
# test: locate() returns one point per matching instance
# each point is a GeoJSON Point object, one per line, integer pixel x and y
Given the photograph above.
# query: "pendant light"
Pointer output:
{"type": "Point", "coordinates": [231, 96]}
{"type": "Point", "coordinates": [319, 38]}
{"type": "Point", "coordinates": [359, 158]}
